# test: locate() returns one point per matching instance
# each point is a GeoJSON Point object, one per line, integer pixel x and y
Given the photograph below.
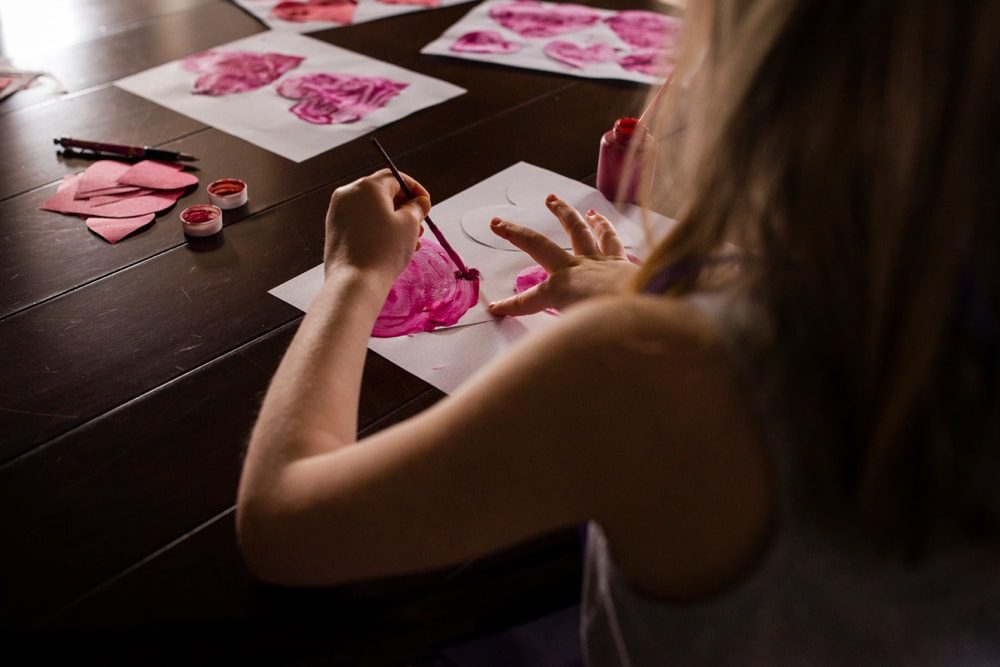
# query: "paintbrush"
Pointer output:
{"type": "Point", "coordinates": [463, 272]}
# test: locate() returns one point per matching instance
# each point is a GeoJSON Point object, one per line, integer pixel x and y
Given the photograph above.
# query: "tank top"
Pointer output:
{"type": "Point", "coordinates": [807, 601]}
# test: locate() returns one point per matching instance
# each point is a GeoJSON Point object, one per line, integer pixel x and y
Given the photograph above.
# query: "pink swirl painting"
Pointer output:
{"type": "Point", "coordinates": [228, 72]}
{"type": "Point", "coordinates": [652, 62]}
{"type": "Point", "coordinates": [484, 41]}
{"type": "Point", "coordinates": [326, 98]}
{"type": "Point", "coordinates": [334, 11]}
{"type": "Point", "coordinates": [533, 19]}
{"type": "Point", "coordinates": [645, 30]}
{"type": "Point", "coordinates": [430, 4]}
{"type": "Point", "coordinates": [577, 56]}
{"type": "Point", "coordinates": [426, 295]}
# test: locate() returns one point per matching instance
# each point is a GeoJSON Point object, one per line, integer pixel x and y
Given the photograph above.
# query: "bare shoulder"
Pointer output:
{"type": "Point", "coordinates": [686, 485]}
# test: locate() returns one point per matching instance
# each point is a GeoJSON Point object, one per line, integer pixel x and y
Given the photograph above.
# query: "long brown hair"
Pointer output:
{"type": "Point", "coordinates": [851, 150]}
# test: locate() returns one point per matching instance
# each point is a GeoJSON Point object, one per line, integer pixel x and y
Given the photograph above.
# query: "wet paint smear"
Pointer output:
{"type": "Point", "coordinates": [532, 19]}
{"type": "Point", "coordinates": [228, 72]}
{"type": "Point", "coordinates": [426, 295]}
{"type": "Point", "coordinates": [577, 56]}
{"type": "Point", "coordinates": [338, 98]}
{"type": "Point", "coordinates": [484, 41]}
{"type": "Point", "coordinates": [531, 276]}
{"type": "Point", "coordinates": [335, 11]}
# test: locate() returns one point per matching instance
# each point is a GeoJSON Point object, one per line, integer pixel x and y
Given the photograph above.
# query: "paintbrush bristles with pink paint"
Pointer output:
{"type": "Point", "coordinates": [463, 272]}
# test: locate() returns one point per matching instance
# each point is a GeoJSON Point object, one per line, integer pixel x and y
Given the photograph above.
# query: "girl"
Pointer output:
{"type": "Point", "coordinates": [787, 452]}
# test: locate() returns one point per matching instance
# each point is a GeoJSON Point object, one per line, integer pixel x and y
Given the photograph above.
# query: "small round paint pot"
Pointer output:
{"type": "Point", "coordinates": [201, 220]}
{"type": "Point", "coordinates": [227, 193]}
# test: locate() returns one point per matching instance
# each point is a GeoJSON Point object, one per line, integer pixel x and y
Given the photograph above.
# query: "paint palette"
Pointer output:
{"type": "Point", "coordinates": [117, 198]}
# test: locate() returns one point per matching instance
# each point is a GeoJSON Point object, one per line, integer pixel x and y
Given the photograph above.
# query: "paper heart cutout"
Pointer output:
{"type": "Point", "coordinates": [578, 56]}
{"type": "Point", "coordinates": [485, 41]}
{"type": "Point", "coordinates": [227, 72]}
{"type": "Point", "coordinates": [535, 19]}
{"type": "Point", "coordinates": [335, 11]}
{"type": "Point", "coordinates": [114, 230]}
{"type": "Point", "coordinates": [157, 175]}
{"type": "Point", "coordinates": [646, 30]}
{"type": "Point", "coordinates": [338, 98]}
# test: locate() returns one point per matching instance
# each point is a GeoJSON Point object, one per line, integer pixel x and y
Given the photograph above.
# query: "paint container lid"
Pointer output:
{"type": "Point", "coordinates": [201, 220]}
{"type": "Point", "coordinates": [227, 193]}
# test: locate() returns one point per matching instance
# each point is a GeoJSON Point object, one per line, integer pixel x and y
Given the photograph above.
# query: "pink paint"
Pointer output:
{"type": "Point", "coordinates": [535, 19]}
{"type": "Point", "coordinates": [430, 4]}
{"type": "Point", "coordinates": [227, 72]}
{"type": "Point", "coordinates": [426, 295]}
{"type": "Point", "coordinates": [484, 41]}
{"type": "Point", "coordinates": [653, 62]}
{"type": "Point", "coordinates": [577, 56]}
{"type": "Point", "coordinates": [334, 11]}
{"type": "Point", "coordinates": [158, 176]}
{"type": "Point", "coordinates": [338, 98]}
{"type": "Point", "coordinates": [646, 30]}
{"type": "Point", "coordinates": [114, 230]}
{"type": "Point", "coordinates": [531, 276]}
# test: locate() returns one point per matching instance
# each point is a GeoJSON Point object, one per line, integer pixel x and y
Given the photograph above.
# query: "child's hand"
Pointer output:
{"type": "Point", "coordinates": [597, 266]}
{"type": "Point", "coordinates": [371, 225]}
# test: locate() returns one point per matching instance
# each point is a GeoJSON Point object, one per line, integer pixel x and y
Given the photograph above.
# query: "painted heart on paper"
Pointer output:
{"type": "Point", "coordinates": [426, 295]}
{"type": "Point", "coordinates": [335, 11]}
{"type": "Point", "coordinates": [228, 72]}
{"type": "Point", "coordinates": [338, 98]}
{"type": "Point", "coordinates": [485, 41]}
{"type": "Point", "coordinates": [533, 19]}
{"type": "Point", "coordinates": [646, 30]}
{"type": "Point", "coordinates": [653, 62]}
{"type": "Point", "coordinates": [578, 56]}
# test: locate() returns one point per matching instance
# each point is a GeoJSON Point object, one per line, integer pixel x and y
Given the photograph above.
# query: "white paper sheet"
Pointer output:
{"type": "Point", "coordinates": [530, 51]}
{"type": "Point", "coordinates": [447, 357]}
{"type": "Point", "coordinates": [365, 10]}
{"type": "Point", "coordinates": [262, 116]}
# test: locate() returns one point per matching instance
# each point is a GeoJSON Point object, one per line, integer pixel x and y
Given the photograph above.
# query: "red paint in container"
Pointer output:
{"type": "Point", "coordinates": [615, 146]}
{"type": "Point", "coordinates": [227, 193]}
{"type": "Point", "coordinates": [201, 220]}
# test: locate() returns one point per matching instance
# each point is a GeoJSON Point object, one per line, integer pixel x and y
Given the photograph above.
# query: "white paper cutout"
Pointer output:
{"type": "Point", "coordinates": [366, 10]}
{"type": "Point", "coordinates": [447, 357]}
{"type": "Point", "coordinates": [593, 37]}
{"type": "Point", "coordinates": [262, 116]}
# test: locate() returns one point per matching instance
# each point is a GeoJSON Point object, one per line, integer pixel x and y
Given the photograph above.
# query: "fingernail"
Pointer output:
{"type": "Point", "coordinates": [591, 212]}
{"type": "Point", "coordinates": [496, 222]}
{"type": "Point", "coordinates": [492, 305]}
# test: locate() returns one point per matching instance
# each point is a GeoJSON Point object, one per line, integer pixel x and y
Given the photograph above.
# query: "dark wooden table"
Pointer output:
{"type": "Point", "coordinates": [130, 374]}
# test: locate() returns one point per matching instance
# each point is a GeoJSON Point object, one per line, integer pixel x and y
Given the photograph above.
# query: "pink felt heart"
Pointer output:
{"type": "Point", "coordinates": [577, 56]}
{"type": "Point", "coordinates": [327, 98]}
{"type": "Point", "coordinates": [157, 175]}
{"type": "Point", "coordinates": [646, 30]}
{"type": "Point", "coordinates": [227, 72]}
{"type": "Point", "coordinates": [484, 41]}
{"type": "Point", "coordinates": [334, 11]}
{"type": "Point", "coordinates": [135, 206]}
{"type": "Point", "coordinates": [105, 192]}
{"type": "Point", "coordinates": [101, 200]}
{"type": "Point", "coordinates": [537, 19]}
{"type": "Point", "coordinates": [101, 175]}
{"type": "Point", "coordinates": [114, 230]}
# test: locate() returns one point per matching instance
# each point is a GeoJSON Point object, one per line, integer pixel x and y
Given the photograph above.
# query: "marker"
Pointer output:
{"type": "Point", "coordinates": [463, 272]}
{"type": "Point", "coordinates": [145, 152]}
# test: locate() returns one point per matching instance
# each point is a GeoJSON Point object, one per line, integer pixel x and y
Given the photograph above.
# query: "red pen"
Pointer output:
{"type": "Point", "coordinates": [146, 152]}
